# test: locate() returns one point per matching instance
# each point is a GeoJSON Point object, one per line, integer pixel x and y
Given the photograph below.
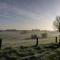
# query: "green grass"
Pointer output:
{"type": "Point", "coordinates": [17, 39]}
{"type": "Point", "coordinates": [43, 52]}
{"type": "Point", "coordinates": [16, 47]}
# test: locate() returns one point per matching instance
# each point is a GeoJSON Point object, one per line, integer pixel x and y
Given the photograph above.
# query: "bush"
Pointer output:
{"type": "Point", "coordinates": [44, 35]}
{"type": "Point", "coordinates": [33, 36]}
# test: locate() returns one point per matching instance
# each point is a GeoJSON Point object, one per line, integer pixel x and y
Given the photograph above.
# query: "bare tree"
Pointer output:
{"type": "Point", "coordinates": [57, 25]}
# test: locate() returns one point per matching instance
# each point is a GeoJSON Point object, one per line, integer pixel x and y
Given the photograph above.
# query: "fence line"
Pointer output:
{"type": "Point", "coordinates": [30, 42]}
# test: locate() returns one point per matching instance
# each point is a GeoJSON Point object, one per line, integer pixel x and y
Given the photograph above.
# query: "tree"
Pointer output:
{"type": "Point", "coordinates": [56, 23]}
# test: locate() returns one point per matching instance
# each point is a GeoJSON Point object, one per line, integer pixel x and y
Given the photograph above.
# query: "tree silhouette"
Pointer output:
{"type": "Point", "coordinates": [56, 23]}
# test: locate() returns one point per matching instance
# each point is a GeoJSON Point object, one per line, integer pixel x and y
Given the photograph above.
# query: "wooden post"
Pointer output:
{"type": "Point", "coordinates": [37, 41]}
{"type": "Point", "coordinates": [56, 39]}
{"type": "Point", "coordinates": [0, 43]}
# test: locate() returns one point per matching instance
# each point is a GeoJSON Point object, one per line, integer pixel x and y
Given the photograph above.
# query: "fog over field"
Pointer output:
{"type": "Point", "coordinates": [19, 38]}
{"type": "Point", "coordinates": [29, 29]}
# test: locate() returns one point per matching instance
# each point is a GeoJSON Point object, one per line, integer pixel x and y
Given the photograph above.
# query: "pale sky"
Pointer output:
{"type": "Point", "coordinates": [28, 14]}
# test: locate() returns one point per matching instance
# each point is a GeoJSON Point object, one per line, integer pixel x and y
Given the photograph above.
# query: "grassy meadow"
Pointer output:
{"type": "Point", "coordinates": [18, 38]}
{"type": "Point", "coordinates": [18, 45]}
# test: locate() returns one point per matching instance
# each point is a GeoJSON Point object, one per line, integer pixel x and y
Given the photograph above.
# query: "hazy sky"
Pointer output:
{"type": "Point", "coordinates": [28, 14]}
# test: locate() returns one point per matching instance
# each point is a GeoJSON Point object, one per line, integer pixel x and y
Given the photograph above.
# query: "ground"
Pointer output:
{"type": "Point", "coordinates": [18, 38]}
{"type": "Point", "coordinates": [18, 45]}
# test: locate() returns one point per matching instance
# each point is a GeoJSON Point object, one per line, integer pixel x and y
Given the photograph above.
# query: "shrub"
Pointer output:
{"type": "Point", "coordinates": [44, 35]}
{"type": "Point", "coordinates": [33, 36]}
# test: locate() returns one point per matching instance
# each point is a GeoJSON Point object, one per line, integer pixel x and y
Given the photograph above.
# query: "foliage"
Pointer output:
{"type": "Point", "coordinates": [33, 36]}
{"type": "Point", "coordinates": [44, 35]}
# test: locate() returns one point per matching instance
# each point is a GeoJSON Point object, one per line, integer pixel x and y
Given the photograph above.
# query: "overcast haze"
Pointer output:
{"type": "Point", "coordinates": [28, 14]}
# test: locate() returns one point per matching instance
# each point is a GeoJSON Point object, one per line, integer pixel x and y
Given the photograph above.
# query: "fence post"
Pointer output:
{"type": "Point", "coordinates": [0, 43]}
{"type": "Point", "coordinates": [56, 39]}
{"type": "Point", "coordinates": [37, 41]}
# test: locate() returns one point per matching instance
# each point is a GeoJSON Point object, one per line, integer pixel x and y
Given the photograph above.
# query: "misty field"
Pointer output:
{"type": "Point", "coordinates": [18, 45]}
{"type": "Point", "coordinates": [21, 38]}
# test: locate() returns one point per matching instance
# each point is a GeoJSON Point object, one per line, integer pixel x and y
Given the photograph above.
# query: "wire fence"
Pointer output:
{"type": "Point", "coordinates": [30, 42]}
